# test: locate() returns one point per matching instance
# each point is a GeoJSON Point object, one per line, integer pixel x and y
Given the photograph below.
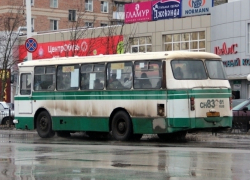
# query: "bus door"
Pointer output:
{"type": "Point", "coordinates": [25, 100]}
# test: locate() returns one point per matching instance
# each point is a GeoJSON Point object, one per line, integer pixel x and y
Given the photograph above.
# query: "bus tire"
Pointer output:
{"type": "Point", "coordinates": [44, 125]}
{"type": "Point", "coordinates": [122, 126]}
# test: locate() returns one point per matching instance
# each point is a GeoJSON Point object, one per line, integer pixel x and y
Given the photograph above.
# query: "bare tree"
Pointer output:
{"type": "Point", "coordinates": [78, 31]}
{"type": "Point", "coordinates": [9, 24]}
{"type": "Point", "coordinates": [117, 41]}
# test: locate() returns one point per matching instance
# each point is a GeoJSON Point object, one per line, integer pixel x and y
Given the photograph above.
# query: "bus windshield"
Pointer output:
{"type": "Point", "coordinates": [215, 69]}
{"type": "Point", "coordinates": [188, 69]}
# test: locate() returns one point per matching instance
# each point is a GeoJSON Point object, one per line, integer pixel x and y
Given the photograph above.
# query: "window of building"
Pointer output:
{"type": "Point", "coordinates": [88, 5]}
{"type": "Point", "coordinates": [119, 7]}
{"type": "Point", "coordinates": [104, 24]}
{"type": "Point", "coordinates": [72, 15]}
{"type": "Point", "coordinates": [88, 24]}
{"type": "Point", "coordinates": [194, 41]}
{"type": "Point", "coordinates": [53, 24]}
{"type": "Point", "coordinates": [92, 76]}
{"type": "Point", "coordinates": [67, 77]}
{"type": "Point", "coordinates": [54, 3]}
{"type": "Point", "coordinates": [44, 78]}
{"type": "Point", "coordinates": [104, 6]}
{"type": "Point", "coordinates": [141, 44]}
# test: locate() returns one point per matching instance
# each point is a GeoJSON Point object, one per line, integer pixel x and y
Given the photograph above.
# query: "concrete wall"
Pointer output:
{"type": "Point", "coordinates": [157, 29]}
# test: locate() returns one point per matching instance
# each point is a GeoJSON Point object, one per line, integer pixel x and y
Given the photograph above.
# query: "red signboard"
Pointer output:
{"type": "Point", "coordinates": [224, 50]}
{"type": "Point", "coordinates": [81, 47]}
{"type": "Point", "coordinates": [138, 12]}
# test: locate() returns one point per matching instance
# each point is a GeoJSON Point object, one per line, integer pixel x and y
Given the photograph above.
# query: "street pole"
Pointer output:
{"type": "Point", "coordinates": [28, 25]}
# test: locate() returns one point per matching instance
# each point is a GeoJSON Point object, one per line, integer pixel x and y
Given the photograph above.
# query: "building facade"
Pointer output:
{"type": "Point", "coordinates": [230, 30]}
{"type": "Point", "coordinates": [47, 15]}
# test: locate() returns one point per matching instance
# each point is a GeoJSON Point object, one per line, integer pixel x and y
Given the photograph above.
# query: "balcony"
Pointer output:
{"type": "Point", "coordinates": [118, 15]}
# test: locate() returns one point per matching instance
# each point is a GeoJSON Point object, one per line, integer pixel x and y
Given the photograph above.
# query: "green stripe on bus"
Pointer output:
{"type": "Point", "coordinates": [25, 123]}
{"type": "Point", "coordinates": [140, 125]}
{"type": "Point", "coordinates": [133, 94]}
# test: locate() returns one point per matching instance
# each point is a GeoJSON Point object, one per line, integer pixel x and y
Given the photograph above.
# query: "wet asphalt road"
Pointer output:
{"type": "Point", "coordinates": [25, 156]}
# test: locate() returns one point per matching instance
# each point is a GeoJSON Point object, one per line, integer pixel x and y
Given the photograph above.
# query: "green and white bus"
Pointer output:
{"type": "Point", "coordinates": [126, 95]}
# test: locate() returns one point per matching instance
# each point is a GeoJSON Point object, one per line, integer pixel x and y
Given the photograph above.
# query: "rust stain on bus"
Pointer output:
{"type": "Point", "coordinates": [89, 108]}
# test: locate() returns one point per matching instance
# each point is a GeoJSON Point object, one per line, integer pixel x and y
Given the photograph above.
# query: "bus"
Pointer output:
{"type": "Point", "coordinates": [125, 95]}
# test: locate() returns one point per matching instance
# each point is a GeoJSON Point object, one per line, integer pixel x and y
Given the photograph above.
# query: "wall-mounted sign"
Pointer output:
{"type": "Point", "coordinates": [138, 12]}
{"type": "Point", "coordinates": [236, 87]}
{"type": "Point", "coordinates": [81, 47]}
{"type": "Point", "coordinates": [232, 63]}
{"type": "Point", "coordinates": [166, 9]}
{"type": "Point", "coordinates": [196, 7]}
{"type": "Point", "coordinates": [225, 50]}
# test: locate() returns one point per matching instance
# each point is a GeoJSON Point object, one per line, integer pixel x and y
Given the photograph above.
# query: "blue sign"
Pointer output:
{"type": "Point", "coordinates": [166, 9]}
{"type": "Point", "coordinates": [31, 45]}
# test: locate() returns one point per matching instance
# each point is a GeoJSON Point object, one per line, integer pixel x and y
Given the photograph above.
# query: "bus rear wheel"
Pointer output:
{"type": "Point", "coordinates": [121, 126]}
{"type": "Point", "coordinates": [44, 125]}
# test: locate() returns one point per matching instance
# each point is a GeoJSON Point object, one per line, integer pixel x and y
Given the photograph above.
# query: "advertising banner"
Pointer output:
{"type": "Point", "coordinates": [138, 12]}
{"type": "Point", "coordinates": [196, 7]}
{"type": "Point", "coordinates": [5, 81]}
{"type": "Point", "coordinates": [80, 47]}
{"type": "Point", "coordinates": [166, 9]}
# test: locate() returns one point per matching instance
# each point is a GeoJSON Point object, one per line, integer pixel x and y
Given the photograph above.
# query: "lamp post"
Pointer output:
{"type": "Point", "coordinates": [28, 20]}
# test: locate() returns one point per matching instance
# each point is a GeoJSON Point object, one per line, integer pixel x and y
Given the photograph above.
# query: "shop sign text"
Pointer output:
{"type": "Point", "coordinates": [225, 50]}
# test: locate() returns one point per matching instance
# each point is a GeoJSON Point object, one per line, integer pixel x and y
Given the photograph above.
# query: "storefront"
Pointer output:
{"type": "Point", "coordinates": [230, 28]}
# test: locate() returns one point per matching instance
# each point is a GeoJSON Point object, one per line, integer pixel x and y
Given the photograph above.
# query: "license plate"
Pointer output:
{"type": "Point", "coordinates": [213, 114]}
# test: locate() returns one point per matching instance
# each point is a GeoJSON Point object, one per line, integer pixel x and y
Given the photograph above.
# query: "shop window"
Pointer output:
{"type": "Point", "coordinates": [194, 41]}
{"type": "Point", "coordinates": [141, 44]}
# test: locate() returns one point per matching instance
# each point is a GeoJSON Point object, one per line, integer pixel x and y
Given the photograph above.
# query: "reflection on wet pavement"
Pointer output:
{"type": "Point", "coordinates": [25, 156]}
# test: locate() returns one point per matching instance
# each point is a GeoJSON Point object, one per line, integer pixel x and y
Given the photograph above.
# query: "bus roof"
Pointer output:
{"type": "Point", "coordinates": [121, 57]}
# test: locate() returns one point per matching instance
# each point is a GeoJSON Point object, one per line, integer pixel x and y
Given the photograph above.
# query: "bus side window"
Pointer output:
{"type": "Point", "coordinates": [119, 75]}
{"type": "Point", "coordinates": [25, 88]}
{"type": "Point", "coordinates": [67, 77]}
{"type": "Point", "coordinates": [92, 76]}
{"type": "Point", "coordinates": [148, 75]}
{"type": "Point", "coordinates": [44, 78]}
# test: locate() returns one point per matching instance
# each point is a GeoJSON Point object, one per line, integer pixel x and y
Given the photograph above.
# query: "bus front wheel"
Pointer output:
{"type": "Point", "coordinates": [121, 126]}
{"type": "Point", "coordinates": [44, 125]}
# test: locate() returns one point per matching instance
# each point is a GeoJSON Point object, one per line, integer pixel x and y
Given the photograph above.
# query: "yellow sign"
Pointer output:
{"type": "Point", "coordinates": [68, 69]}
{"type": "Point", "coordinates": [117, 66]}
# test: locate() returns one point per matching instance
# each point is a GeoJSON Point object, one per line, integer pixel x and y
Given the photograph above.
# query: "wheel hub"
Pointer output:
{"type": "Point", "coordinates": [121, 126]}
{"type": "Point", "coordinates": [43, 123]}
